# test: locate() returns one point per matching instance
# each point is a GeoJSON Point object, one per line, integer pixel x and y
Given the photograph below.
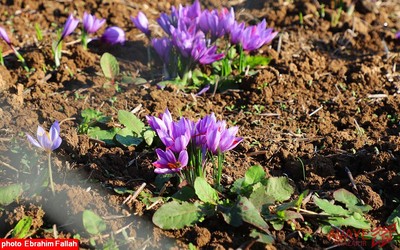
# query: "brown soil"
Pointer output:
{"type": "Point", "coordinates": [316, 105]}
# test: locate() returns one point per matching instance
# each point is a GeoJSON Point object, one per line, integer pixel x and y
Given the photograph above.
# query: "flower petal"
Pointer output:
{"type": "Point", "coordinates": [33, 141]}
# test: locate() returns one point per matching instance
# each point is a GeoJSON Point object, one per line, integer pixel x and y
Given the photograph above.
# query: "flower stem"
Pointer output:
{"type": "Point", "coordinates": [220, 159]}
{"type": "Point", "coordinates": [20, 58]}
{"type": "Point", "coordinates": [51, 174]}
{"type": "Point", "coordinates": [84, 40]}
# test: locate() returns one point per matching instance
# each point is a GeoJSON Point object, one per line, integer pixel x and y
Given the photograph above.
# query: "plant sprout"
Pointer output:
{"type": "Point", "coordinates": [4, 36]}
{"type": "Point", "coordinates": [47, 141]}
{"type": "Point", "coordinates": [69, 27]}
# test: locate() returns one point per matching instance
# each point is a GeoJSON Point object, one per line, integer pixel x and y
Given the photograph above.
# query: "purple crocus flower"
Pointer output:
{"type": "Point", "coordinates": [205, 55]}
{"type": "Point", "coordinates": [69, 26]}
{"type": "Point", "coordinates": [113, 35]}
{"type": "Point", "coordinates": [142, 23]}
{"type": "Point", "coordinates": [194, 10]}
{"type": "Point", "coordinates": [91, 24]}
{"type": "Point", "coordinates": [174, 135]}
{"type": "Point", "coordinates": [397, 35]}
{"type": "Point", "coordinates": [256, 36]}
{"type": "Point", "coordinates": [236, 32]}
{"type": "Point", "coordinates": [167, 162]}
{"type": "Point", "coordinates": [163, 47]}
{"type": "Point", "coordinates": [218, 24]}
{"type": "Point", "coordinates": [178, 136]}
{"type": "Point", "coordinates": [164, 122]}
{"type": "Point", "coordinates": [220, 139]}
{"type": "Point", "coordinates": [201, 128]}
{"type": "Point", "coordinates": [48, 141]}
{"type": "Point", "coordinates": [4, 36]}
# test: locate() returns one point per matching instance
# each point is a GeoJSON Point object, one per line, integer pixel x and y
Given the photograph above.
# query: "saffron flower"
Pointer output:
{"type": "Point", "coordinates": [220, 139]}
{"type": "Point", "coordinates": [167, 162]}
{"type": "Point", "coordinates": [236, 32]}
{"type": "Point", "coordinates": [48, 141]}
{"type": "Point", "coordinates": [4, 36]}
{"type": "Point", "coordinates": [256, 36]}
{"type": "Point", "coordinates": [69, 26]}
{"type": "Point", "coordinates": [91, 24]}
{"type": "Point", "coordinates": [218, 24]}
{"type": "Point", "coordinates": [190, 142]}
{"type": "Point", "coordinates": [163, 48]}
{"type": "Point", "coordinates": [142, 23]}
{"type": "Point", "coordinates": [113, 35]}
{"type": "Point", "coordinates": [200, 53]}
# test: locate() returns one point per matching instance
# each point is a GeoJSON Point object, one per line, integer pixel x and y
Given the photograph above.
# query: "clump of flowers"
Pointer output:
{"type": "Point", "coordinates": [190, 145]}
{"type": "Point", "coordinates": [47, 141]}
{"type": "Point", "coordinates": [4, 36]}
{"type": "Point", "coordinates": [195, 37]}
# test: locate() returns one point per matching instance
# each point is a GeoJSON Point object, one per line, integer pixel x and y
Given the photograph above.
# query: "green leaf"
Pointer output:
{"type": "Point", "coordinates": [184, 194]}
{"type": "Point", "coordinates": [109, 65]}
{"type": "Point", "coordinates": [291, 215]}
{"type": "Point", "coordinates": [279, 188]}
{"type": "Point", "coordinates": [329, 208]}
{"type": "Point", "coordinates": [204, 191]}
{"type": "Point", "coordinates": [123, 190]}
{"type": "Point", "coordinates": [250, 214]}
{"type": "Point", "coordinates": [9, 193]}
{"type": "Point", "coordinates": [110, 245]}
{"type": "Point", "coordinates": [148, 136]}
{"type": "Point", "coordinates": [351, 201]}
{"type": "Point", "coordinates": [394, 218]}
{"type": "Point", "coordinates": [356, 221]}
{"type": "Point", "coordinates": [93, 223]}
{"type": "Point", "coordinates": [254, 175]}
{"type": "Point", "coordinates": [91, 114]}
{"type": "Point", "coordinates": [133, 80]}
{"type": "Point", "coordinates": [258, 60]}
{"type": "Point", "coordinates": [106, 136]}
{"type": "Point", "coordinates": [231, 215]}
{"type": "Point", "coordinates": [126, 137]}
{"type": "Point", "coordinates": [260, 198]}
{"type": "Point", "coordinates": [130, 121]}
{"type": "Point", "coordinates": [262, 237]}
{"type": "Point", "coordinates": [174, 215]}
{"type": "Point", "coordinates": [277, 224]}
{"type": "Point", "coordinates": [21, 230]}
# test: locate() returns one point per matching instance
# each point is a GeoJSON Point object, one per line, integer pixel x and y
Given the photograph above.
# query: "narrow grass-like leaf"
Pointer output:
{"type": "Point", "coordinates": [175, 215]}
{"type": "Point", "coordinates": [93, 223]}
